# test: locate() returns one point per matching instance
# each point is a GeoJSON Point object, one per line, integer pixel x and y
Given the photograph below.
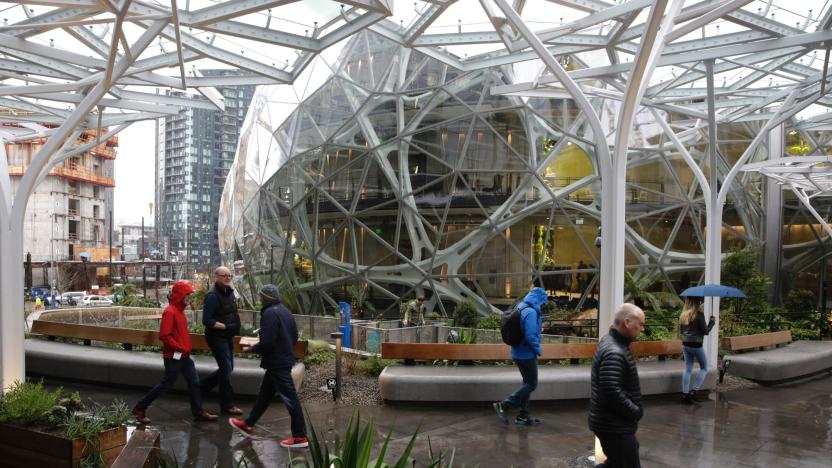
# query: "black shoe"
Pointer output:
{"type": "Point", "coordinates": [501, 412]}
{"type": "Point", "coordinates": [686, 399]}
{"type": "Point", "coordinates": [694, 397]}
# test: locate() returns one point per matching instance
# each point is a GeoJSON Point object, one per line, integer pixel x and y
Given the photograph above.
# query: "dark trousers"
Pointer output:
{"type": "Point", "coordinates": [520, 398]}
{"type": "Point", "coordinates": [621, 450]}
{"type": "Point", "coordinates": [279, 381]}
{"type": "Point", "coordinates": [223, 350]}
{"type": "Point", "coordinates": [174, 367]}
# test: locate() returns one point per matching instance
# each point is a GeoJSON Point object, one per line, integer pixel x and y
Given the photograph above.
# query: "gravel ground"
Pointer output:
{"type": "Point", "coordinates": [732, 382]}
{"type": "Point", "coordinates": [356, 389]}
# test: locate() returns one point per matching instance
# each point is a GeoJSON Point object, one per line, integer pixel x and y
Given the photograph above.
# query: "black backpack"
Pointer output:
{"type": "Point", "coordinates": [510, 327]}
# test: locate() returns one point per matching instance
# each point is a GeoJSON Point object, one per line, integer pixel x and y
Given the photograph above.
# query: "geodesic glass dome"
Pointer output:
{"type": "Point", "coordinates": [387, 171]}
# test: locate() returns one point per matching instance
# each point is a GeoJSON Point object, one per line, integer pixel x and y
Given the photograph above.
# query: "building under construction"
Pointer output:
{"type": "Point", "coordinates": [69, 211]}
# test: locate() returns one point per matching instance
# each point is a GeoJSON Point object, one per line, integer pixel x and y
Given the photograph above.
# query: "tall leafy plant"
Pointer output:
{"type": "Point", "coordinates": [640, 291]}
{"type": "Point", "coordinates": [465, 314]}
{"type": "Point", "coordinates": [361, 307]}
{"type": "Point", "coordinates": [740, 270]}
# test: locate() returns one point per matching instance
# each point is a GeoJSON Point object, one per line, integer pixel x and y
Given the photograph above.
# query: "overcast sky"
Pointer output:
{"type": "Point", "coordinates": [134, 174]}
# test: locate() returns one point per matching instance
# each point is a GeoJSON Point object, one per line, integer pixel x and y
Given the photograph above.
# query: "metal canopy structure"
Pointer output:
{"type": "Point", "coordinates": [67, 65]}
{"type": "Point", "coordinates": [808, 177]}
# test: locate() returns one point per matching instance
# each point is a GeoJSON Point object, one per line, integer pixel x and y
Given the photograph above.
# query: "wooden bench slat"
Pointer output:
{"type": "Point", "coordinates": [140, 451]}
{"type": "Point", "coordinates": [760, 340]}
{"type": "Point", "coordinates": [129, 335]}
{"type": "Point", "coordinates": [500, 352]}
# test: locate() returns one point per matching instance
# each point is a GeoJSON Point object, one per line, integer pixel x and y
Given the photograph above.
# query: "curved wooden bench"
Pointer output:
{"type": "Point", "coordinates": [773, 357]}
{"type": "Point", "coordinates": [474, 384]}
{"type": "Point", "coordinates": [131, 336]}
{"type": "Point", "coordinates": [122, 367]}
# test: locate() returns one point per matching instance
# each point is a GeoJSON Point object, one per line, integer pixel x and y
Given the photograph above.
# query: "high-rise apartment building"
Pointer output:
{"type": "Point", "coordinates": [68, 212]}
{"type": "Point", "coordinates": [194, 151]}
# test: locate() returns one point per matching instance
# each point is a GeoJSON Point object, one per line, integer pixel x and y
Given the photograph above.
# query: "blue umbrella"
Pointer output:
{"type": "Point", "coordinates": [712, 290]}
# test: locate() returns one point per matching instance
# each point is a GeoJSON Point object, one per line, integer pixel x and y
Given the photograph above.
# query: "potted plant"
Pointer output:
{"type": "Point", "coordinates": [43, 428]}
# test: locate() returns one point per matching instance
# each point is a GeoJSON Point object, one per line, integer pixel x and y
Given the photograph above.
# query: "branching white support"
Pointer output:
{"type": "Point", "coordinates": [801, 195]}
{"type": "Point", "coordinates": [12, 365]}
{"type": "Point", "coordinates": [613, 188]}
{"type": "Point", "coordinates": [609, 295]}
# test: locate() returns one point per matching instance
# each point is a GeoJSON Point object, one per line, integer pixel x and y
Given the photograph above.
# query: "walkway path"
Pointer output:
{"type": "Point", "coordinates": [783, 426]}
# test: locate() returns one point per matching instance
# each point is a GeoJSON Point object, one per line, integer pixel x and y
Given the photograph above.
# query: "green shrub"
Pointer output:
{"type": "Point", "coordinates": [739, 270]}
{"type": "Point", "coordinates": [27, 403]}
{"type": "Point", "coordinates": [490, 322]}
{"type": "Point", "coordinates": [805, 334]}
{"type": "Point", "coordinates": [462, 336]}
{"type": "Point", "coordinates": [800, 303]}
{"type": "Point", "coordinates": [318, 353]}
{"type": "Point", "coordinates": [373, 366]}
{"type": "Point", "coordinates": [465, 314]}
{"type": "Point", "coordinates": [197, 299]}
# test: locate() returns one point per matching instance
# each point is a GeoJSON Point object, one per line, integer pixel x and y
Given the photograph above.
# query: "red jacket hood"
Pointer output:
{"type": "Point", "coordinates": [179, 293]}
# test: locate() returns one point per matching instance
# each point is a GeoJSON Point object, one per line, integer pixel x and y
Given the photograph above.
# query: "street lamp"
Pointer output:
{"type": "Point", "coordinates": [271, 262]}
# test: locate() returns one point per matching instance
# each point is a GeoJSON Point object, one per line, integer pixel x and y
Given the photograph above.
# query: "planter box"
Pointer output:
{"type": "Point", "coordinates": [24, 448]}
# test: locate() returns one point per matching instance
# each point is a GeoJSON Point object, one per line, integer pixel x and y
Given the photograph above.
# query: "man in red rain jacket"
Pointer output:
{"type": "Point", "coordinates": [176, 349]}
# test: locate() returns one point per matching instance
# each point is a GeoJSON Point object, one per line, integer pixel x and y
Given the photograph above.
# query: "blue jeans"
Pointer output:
{"type": "Point", "coordinates": [279, 381]}
{"type": "Point", "coordinates": [173, 368]}
{"type": "Point", "coordinates": [223, 350]}
{"type": "Point", "coordinates": [699, 355]}
{"type": "Point", "coordinates": [521, 396]}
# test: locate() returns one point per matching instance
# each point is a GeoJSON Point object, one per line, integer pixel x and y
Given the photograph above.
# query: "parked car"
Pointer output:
{"type": "Point", "coordinates": [96, 300]}
{"type": "Point", "coordinates": [72, 297]}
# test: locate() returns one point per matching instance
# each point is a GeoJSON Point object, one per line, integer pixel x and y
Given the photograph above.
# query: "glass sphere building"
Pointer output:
{"type": "Point", "coordinates": [385, 170]}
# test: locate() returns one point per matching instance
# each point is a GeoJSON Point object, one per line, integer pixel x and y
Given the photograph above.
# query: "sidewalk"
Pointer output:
{"type": "Point", "coordinates": [781, 426]}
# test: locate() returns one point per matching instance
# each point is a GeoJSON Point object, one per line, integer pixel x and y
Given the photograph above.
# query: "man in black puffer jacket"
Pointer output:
{"type": "Point", "coordinates": [615, 404]}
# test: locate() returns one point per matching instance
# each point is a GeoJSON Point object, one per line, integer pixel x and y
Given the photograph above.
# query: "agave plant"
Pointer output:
{"type": "Point", "coordinates": [355, 450]}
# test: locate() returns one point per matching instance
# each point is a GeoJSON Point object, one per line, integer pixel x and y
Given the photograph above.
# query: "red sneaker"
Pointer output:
{"type": "Point", "coordinates": [140, 416]}
{"type": "Point", "coordinates": [295, 442]}
{"type": "Point", "coordinates": [241, 426]}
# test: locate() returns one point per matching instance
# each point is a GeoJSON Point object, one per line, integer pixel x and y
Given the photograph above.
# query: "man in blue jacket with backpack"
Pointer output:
{"type": "Point", "coordinates": [525, 355]}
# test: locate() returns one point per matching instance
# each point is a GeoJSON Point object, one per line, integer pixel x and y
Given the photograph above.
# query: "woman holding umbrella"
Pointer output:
{"type": "Point", "coordinates": [693, 329]}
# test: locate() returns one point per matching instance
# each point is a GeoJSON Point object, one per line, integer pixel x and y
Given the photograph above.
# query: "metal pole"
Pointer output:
{"type": "Point", "coordinates": [141, 251]}
{"type": "Point", "coordinates": [188, 264]}
{"type": "Point", "coordinates": [338, 337]}
{"type": "Point", "coordinates": [110, 248]}
{"type": "Point", "coordinates": [271, 264]}
{"type": "Point", "coordinates": [713, 242]}
{"type": "Point", "coordinates": [824, 280]}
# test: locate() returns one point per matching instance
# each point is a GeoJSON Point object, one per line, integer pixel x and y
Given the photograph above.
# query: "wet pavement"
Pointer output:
{"type": "Point", "coordinates": [787, 425]}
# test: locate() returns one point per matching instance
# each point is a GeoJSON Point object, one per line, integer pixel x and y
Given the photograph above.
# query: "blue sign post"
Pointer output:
{"type": "Point", "coordinates": [344, 327]}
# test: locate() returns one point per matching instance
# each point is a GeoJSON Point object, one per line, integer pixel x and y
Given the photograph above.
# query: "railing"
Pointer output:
{"type": "Point", "coordinates": [81, 174]}
{"type": "Point", "coordinates": [368, 336]}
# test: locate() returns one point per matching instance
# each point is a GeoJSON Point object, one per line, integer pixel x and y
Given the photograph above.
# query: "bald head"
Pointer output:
{"type": "Point", "coordinates": [629, 320]}
{"type": "Point", "coordinates": [222, 276]}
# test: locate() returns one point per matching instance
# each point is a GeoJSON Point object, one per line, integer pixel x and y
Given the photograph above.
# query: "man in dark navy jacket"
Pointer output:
{"type": "Point", "coordinates": [278, 335]}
